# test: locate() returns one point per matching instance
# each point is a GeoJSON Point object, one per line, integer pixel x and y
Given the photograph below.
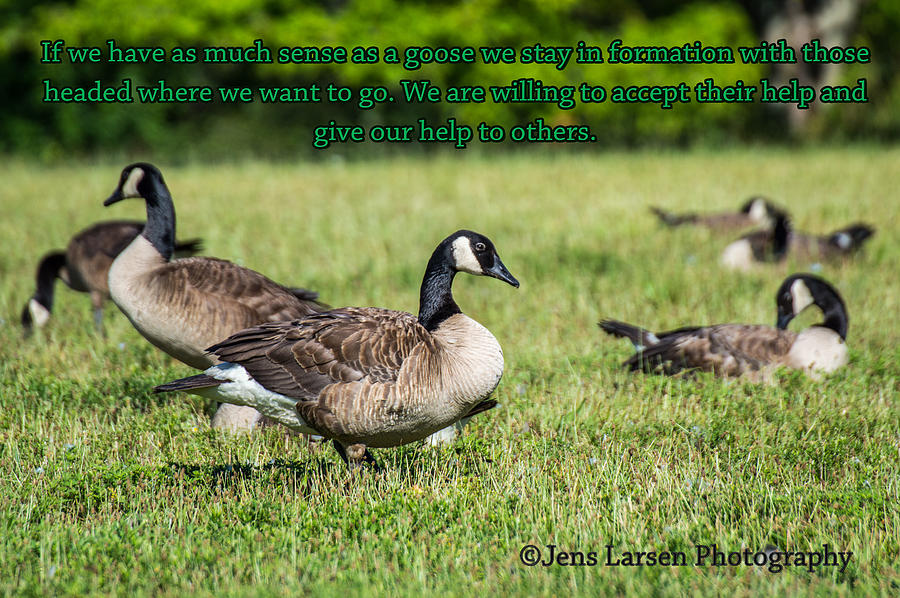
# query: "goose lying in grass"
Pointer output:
{"type": "Point", "coordinates": [842, 243]}
{"type": "Point", "coordinates": [369, 377]}
{"type": "Point", "coordinates": [781, 241]}
{"type": "Point", "coordinates": [769, 245]}
{"type": "Point", "coordinates": [748, 349]}
{"type": "Point", "coordinates": [84, 266]}
{"type": "Point", "coordinates": [757, 211]}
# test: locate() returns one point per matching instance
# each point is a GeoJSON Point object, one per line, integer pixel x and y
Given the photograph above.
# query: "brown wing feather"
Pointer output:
{"type": "Point", "coordinates": [300, 358]}
{"type": "Point", "coordinates": [108, 238]}
{"type": "Point", "coordinates": [725, 349]}
{"type": "Point", "coordinates": [91, 252]}
{"type": "Point", "coordinates": [242, 297]}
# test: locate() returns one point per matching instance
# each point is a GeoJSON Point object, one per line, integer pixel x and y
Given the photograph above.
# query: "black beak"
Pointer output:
{"type": "Point", "coordinates": [498, 270]}
{"type": "Point", "coordinates": [783, 321]}
{"type": "Point", "coordinates": [116, 196]}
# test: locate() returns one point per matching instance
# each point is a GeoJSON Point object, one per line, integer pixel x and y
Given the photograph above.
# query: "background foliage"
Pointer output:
{"type": "Point", "coordinates": [218, 130]}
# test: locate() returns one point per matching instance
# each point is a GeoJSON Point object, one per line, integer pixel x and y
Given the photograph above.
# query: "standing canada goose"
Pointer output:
{"type": "Point", "coordinates": [756, 211]}
{"type": "Point", "coordinates": [747, 349]}
{"type": "Point", "coordinates": [184, 306]}
{"type": "Point", "coordinates": [768, 245]}
{"type": "Point", "coordinates": [84, 266]}
{"type": "Point", "coordinates": [369, 377]}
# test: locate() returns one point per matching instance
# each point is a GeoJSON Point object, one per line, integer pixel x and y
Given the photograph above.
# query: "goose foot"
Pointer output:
{"type": "Point", "coordinates": [356, 455]}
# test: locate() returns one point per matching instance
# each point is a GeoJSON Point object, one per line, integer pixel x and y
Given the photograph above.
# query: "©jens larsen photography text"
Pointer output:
{"type": "Point", "coordinates": [773, 559]}
{"type": "Point", "coordinates": [561, 92]}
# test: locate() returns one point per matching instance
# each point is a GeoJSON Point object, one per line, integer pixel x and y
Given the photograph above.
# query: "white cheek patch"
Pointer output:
{"type": "Point", "coordinates": [758, 212]}
{"type": "Point", "coordinates": [843, 240]}
{"type": "Point", "coordinates": [40, 315]}
{"type": "Point", "coordinates": [801, 296]}
{"type": "Point", "coordinates": [130, 188]}
{"type": "Point", "coordinates": [464, 258]}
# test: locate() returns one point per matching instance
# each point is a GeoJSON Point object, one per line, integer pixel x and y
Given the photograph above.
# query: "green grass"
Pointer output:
{"type": "Point", "coordinates": [108, 489]}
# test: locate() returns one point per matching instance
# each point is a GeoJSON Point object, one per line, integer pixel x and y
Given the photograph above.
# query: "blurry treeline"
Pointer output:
{"type": "Point", "coordinates": [50, 131]}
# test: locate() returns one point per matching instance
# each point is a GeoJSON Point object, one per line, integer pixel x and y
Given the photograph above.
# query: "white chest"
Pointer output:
{"type": "Point", "coordinates": [818, 349]}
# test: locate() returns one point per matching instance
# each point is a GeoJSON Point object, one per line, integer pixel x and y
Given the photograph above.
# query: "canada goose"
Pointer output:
{"type": "Point", "coordinates": [843, 242]}
{"type": "Point", "coordinates": [84, 266]}
{"type": "Point", "coordinates": [184, 306]}
{"type": "Point", "coordinates": [768, 245]}
{"type": "Point", "coordinates": [369, 377]}
{"type": "Point", "coordinates": [780, 241]}
{"type": "Point", "coordinates": [756, 211]}
{"type": "Point", "coordinates": [746, 349]}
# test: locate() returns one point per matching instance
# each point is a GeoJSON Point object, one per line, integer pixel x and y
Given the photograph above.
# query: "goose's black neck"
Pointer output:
{"type": "Point", "coordinates": [780, 237]}
{"type": "Point", "coordinates": [436, 302]}
{"type": "Point", "coordinates": [836, 317]}
{"type": "Point", "coordinates": [47, 272]}
{"type": "Point", "coordinates": [160, 228]}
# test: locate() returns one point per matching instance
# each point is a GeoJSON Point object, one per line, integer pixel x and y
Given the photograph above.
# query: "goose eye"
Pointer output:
{"type": "Point", "coordinates": [479, 247]}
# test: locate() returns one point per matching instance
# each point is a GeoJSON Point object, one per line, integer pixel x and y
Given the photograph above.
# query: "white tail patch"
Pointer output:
{"type": "Point", "coordinates": [738, 256]}
{"type": "Point", "coordinates": [239, 388]}
{"type": "Point", "coordinates": [130, 188]}
{"type": "Point", "coordinates": [801, 296]}
{"type": "Point", "coordinates": [40, 315]}
{"type": "Point", "coordinates": [464, 258]}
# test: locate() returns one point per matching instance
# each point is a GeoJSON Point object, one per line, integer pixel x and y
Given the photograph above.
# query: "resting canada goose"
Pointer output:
{"type": "Point", "coordinates": [780, 241]}
{"type": "Point", "coordinates": [769, 245]}
{"type": "Point", "coordinates": [843, 242]}
{"type": "Point", "coordinates": [369, 377]}
{"type": "Point", "coordinates": [184, 306]}
{"type": "Point", "coordinates": [756, 211]}
{"type": "Point", "coordinates": [746, 349]}
{"type": "Point", "coordinates": [84, 266]}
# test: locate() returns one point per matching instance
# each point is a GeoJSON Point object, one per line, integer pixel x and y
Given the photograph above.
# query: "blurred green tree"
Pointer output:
{"type": "Point", "coordinates": [214, 130]}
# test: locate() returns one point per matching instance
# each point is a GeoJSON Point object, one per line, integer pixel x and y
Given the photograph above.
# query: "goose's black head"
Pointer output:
{"type": "Point", "coordinates": [799, 291]}
{"type": "Point", "coordinates": [35, 315]}
{"type": "Point", "coordinates": [851, 238]}
{"type": "Point", "coordinates": [137, 180]}
{"type": "Point", "coordinates": [146, 181]}
{"type": "Point", "coordinates": [467, 251]}
{"type": "Point", "coordinates": [463, 251]}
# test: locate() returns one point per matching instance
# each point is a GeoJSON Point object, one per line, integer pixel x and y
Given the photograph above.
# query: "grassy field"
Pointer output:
{"type": "Point", "coordinates": [108, 489]}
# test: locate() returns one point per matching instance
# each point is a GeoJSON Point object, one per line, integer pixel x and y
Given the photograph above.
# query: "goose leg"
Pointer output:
{"type": "Point", "coordinates": [355, 455]}
{"type": "Point", "coordinates": [97, 304]}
